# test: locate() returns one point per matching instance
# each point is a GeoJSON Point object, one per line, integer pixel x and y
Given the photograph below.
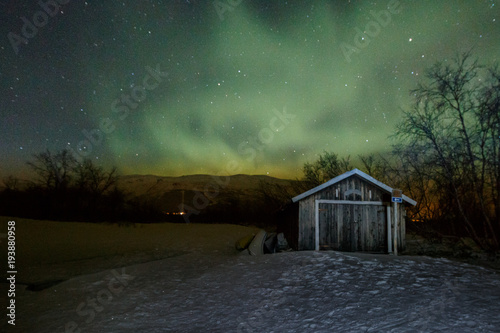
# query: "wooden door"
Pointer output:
{"type": "Point", "coordinates": [352, 227]}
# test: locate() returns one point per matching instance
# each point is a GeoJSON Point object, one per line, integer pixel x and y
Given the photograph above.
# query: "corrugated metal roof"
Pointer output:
{"type": "Point", "coordinates": [347, 175]}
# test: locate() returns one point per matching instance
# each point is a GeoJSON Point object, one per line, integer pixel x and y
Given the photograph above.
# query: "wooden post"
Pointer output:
{"type": "Point", "coordinates": [316, 225]}
{"type": "Point", "coordinates": [397, 196]}
{"type": "Point", "coordinates": [389, 227]}
{"type": "Point", "coordinates": [395, 205]}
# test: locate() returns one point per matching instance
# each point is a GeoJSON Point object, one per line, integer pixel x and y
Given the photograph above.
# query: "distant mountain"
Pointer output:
{"type": "Point", "coordinates": [237, 199]}
{"type": "Point", "coordinates": [142, 184]}
{"type": "Point", "coordinates": [168, 194]}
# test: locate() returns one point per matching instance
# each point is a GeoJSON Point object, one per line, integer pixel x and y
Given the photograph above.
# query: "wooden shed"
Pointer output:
{"type": "Point", "coordinates": [352, 212]}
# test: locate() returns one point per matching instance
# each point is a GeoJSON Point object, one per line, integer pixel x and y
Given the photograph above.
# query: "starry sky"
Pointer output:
{"type": "Point", "coordinates": [220, 87]}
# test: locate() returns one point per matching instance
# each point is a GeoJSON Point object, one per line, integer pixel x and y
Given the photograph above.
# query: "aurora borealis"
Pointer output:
{"type": "Point", "coordinates": [185, 87]}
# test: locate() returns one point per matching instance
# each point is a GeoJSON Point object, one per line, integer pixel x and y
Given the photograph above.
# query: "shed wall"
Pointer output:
{"type": "Point", "coordinates": [348, 227]}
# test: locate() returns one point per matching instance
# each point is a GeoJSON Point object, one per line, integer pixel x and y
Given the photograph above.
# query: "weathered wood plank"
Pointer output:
{"type": "Point", "coordinates": [348, 226]}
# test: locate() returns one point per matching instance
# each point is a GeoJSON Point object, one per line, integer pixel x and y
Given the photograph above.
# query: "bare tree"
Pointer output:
{"type": "Point", "coordinates": [11, 183]}
{"type": "Point", "coordinates": [380, 166]}
{"type": "Point", "coordinates": [450, 145]}
{"type": "Point", "coordinates": [328, 166]}
{"type": "Point", "coordinates": [94, 179]}
{"type": "Point", "coordinates": [53, 171]}
{"type": "Point", "coordinates": [368, 163]}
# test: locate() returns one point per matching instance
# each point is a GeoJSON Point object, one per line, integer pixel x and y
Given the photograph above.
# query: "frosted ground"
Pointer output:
{"type": "Point", "coordinates": [189, 278]}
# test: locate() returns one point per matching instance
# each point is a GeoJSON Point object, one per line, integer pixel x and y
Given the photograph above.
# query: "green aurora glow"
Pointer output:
{"type": "Point", "coordinates": [225, 78]}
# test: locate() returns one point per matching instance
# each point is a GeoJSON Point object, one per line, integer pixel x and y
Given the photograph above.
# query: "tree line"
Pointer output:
{"type": "Point", "coordinates": [62, 189]}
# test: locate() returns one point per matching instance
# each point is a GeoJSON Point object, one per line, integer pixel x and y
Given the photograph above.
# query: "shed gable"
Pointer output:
{"type": "Point", "coordinates": [355, 172]}
{"type": "Point", "coordinates": [353, 188]}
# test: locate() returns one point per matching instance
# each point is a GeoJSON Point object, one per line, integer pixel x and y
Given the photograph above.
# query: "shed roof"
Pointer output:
{"type": "Point", "coordinates": [347, 175]}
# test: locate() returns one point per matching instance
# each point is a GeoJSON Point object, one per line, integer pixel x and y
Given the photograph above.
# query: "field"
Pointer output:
{"type": "Point", "coordinates": [81, 277]}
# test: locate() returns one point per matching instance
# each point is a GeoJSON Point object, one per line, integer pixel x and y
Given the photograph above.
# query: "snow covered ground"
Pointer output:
{"type": "Point", "coordinates": [190, 279]}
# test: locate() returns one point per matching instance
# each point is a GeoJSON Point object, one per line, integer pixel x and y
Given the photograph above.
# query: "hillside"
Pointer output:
{"type": "Point", "coordinates": [153, 185]}
{"type": "Point", "coordinates": [238, 193]}
{"type": "Point", "coordinates": [237, 199]}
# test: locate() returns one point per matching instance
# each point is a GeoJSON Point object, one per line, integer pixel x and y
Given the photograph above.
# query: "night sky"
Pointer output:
{"type": "Point", "coordinates": [218, 87]}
